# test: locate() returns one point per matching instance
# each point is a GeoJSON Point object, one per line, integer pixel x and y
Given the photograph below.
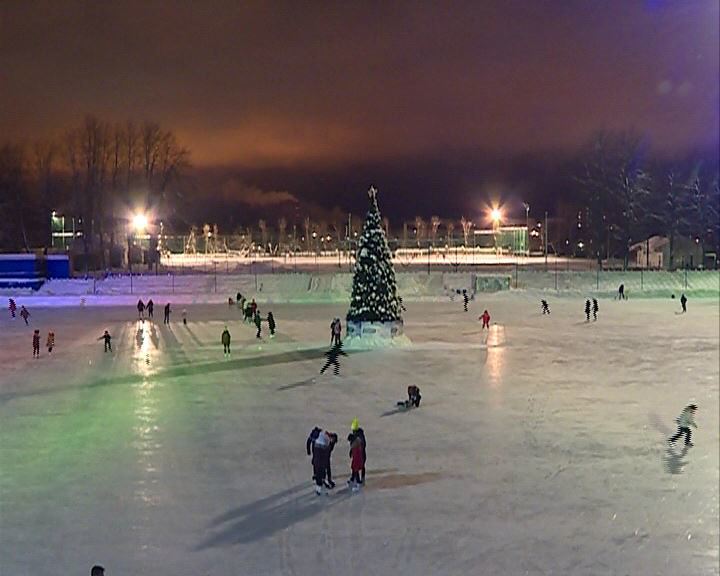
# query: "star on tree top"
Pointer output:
{"type": "Point", "coordinates": [372, 193]}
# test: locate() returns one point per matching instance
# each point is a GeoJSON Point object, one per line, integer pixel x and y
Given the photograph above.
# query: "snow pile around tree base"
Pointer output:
{"type": "Point", "coordinates": [373, 341]}
{"type": "Point", "coordinates": [363, 335]}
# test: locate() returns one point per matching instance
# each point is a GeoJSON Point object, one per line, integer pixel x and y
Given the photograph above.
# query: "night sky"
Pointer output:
{"type": "Point", "coordinates": [319, 99]}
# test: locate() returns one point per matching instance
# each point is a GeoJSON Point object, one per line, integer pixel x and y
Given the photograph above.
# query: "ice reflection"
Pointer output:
{"type": "Point", "coordinates": [495, 360]}
{"type": "Point", "coordinates": [145, 429]}
{"type": "Point", "coordinates": [143, 336]}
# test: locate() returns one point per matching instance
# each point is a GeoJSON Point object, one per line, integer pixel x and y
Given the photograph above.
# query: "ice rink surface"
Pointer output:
{"type": "Point", "coordinates": [539, 448]}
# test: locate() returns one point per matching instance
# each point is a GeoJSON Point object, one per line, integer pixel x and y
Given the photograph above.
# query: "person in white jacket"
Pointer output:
{"type": "Point", "coordinates": [685, 421]}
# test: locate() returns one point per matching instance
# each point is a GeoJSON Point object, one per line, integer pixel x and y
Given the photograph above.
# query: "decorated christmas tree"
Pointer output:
{"type": "Point", "coordinates": [374, 291]}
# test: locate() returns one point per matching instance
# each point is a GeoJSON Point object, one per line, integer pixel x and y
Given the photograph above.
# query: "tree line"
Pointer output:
{"type": "Point", "coordinates": [627, 196]}
{"type": "Point", "coordinates": [97, 171]}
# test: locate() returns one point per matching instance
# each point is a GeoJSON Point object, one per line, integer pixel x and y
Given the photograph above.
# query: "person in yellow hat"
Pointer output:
{"type": "Point", "coordinates": [357, 433]}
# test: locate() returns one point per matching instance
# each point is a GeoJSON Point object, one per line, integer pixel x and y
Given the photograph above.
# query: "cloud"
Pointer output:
{"type": "Point", "coordinates": [235, 190]}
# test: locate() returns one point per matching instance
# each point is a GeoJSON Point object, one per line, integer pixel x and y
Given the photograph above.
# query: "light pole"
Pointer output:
{"type": "Point", "coordinates": [546, 241]}
{"type": "Point", "coordinates": [527, 227]}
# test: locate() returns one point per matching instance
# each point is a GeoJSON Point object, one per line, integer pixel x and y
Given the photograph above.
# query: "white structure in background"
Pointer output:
{"type": "Point", "coordinates": [655, 253]}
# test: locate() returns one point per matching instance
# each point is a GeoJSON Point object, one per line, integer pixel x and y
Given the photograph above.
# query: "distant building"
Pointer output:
{"type": "Point", "coordinates": [655, 253]}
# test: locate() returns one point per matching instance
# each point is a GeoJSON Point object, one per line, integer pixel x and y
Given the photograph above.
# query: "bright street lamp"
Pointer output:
{"type": "Point", "coordinates": [139, 222]}
{"type": "Point", "coordinates": [496, 215]}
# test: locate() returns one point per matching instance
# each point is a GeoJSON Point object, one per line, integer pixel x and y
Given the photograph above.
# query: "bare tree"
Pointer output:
{"type": "Point", "coordinates": [306, 225]}
{"type": "Point", "coordinates": [262, 226]}
{"type": "Point", "coordinates": [13, 197]}
{"type": "Point", "coordinates": [466, 227]}
{"type": "Point", "coordinates": [419, 229]}
{"type": "Point", "coordinates": [282, 227]}
{"type": "Point", "coordinates": [434, 225]}
{"type": "Point", "coordinates": [450, 226]}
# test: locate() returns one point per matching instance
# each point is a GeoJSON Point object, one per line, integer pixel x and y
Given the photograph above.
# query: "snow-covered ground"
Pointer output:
{"type": "Point", "coordinates": [539, 448]}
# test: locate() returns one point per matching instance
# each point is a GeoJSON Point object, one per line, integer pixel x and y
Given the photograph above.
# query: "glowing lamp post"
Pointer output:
{"type": "Point", "coordinates": [496, 216]}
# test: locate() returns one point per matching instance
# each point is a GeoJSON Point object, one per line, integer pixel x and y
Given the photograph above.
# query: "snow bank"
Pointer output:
{"type": "Point", "coordinates": [322, 288]}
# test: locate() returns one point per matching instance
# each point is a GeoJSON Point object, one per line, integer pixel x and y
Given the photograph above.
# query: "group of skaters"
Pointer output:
{"type": "Point", "coordinates": [251, 314]}
{"type": "Point", "coordinates": [320, 444]}
{"type": "Point", "coordinates": [142, 308]}
{"type": "Point", "coordinates": [24, 314]}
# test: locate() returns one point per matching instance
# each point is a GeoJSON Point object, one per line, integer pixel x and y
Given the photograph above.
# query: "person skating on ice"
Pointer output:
{"type": "Point", "coordinates": [332, 358]}
{"type": "Point", "coordinates": [141, 310]}
{"type": "Point", "coordinates": [50, 343]}
{"type": "Point", "coordinates": [225, 339]}
{"type": "Point", "coordinates": [683, 303]}
{"type": "Point", "coordinates": [414, 395]}
{"type": "Point", "coordinates": [184, 316]}
{"type": "Point", "coordinates": [466, 299]}
{"type": "Point", "coordinates": [332, 331]}
{"type": "Point", "coordinates": [336, 329]}
{"type": "Point", "coordinates": [106, 338]}
{"type": "Point", "coordinates": [357, 432]}
{"type": "Point", "coordinates": [595, 308]}
{"type": "Point", "coordinates": [150, 308]}
{"type": "Point", "coordinates": [24, 314]}
{"type": "Point", "coordinates": [36, 344]}
{"type": "Point", "coordinates": [684, 422]}
{"type": "Point", "coordinates": [166, 315]}
{"type": "Point", "coordinates": [545, 307]}
{"type": "Point", "coordinates": [238, 298]}
{"type": "Point", "coordinates": [356, 463]}
{"type": "Point", "coordinates": [271, 324]}
{"type": "Point", "coordinates": [318, 444]}
{"type": "Point", "coordinates": [621, 292]}
{"type": "Point", "coordinates": [587, 310]}
{"type": "Point", "coordinates": [257, 320]}
{"type": "Point", "coordinates": [485, 320]}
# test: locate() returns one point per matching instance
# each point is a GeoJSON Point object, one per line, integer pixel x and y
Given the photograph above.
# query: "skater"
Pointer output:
{"type": "Point", "coordinates": [337, 331]}
{"type": "Point", "coordinates": [230, 302]}
{"type": "Point", "coordinates": [414, 395]}
{"type": "Point", "coordinates": [106, 338]}
{"type": "Point", "coordinates": [150, 307]}
{"type": "Point", "coordinates": [225, 339]}
{"type": "Point", "coordinates": [356, 463]}
{"type": "Point", "coordinates": [166, 318]}
{"type": "Point", "coordinates": [24, 314]}
{"type": "Point", "coordinates": [413, 398]}
{"type": "Point", "coordinates": [684, 421]}
{"type": "Point", "coordinates": [587, 310]}
{"type": "Point", "coordinates": [358, 433]}
{"type": "Point", "coordinates": [466, 299]}
{"type": "Point", "coordinates": [97, 570]}
{"type": "Point", "coordinates": [253, 308]}
{"type": "Point", "coordinates": [50, 341]}
{"type": "Point", "coordinates": [319, 445]}
{"type": "Point", "coordinates": [683, 303]}
{"type": "Point", "coordinates": [271, 324]}
{"type": "Point", "coordinates": [184, 316]}
{"type": "Point", "coordinates": [545, 307]}
{"type": "Point", "coordinates": [238, 297]}
{"type": "Point", "coordinates": [332, 331]}
{"type": "Point", "coordinates": [402, 306]}
{"type": "Point", "coordinates": [12, 307]}
{"type": "Point", "coordinates": [141, 310]}
{"type": "Point", "coordinates": [257, 320]}
{"type": "Point", "coordinates": [621, 292]}
{"type": "Point", "coordinates": [595, 309]}
{"type": "Point", "coordinates": [241, 304]}
{"type": "Point", "coordinates": [247, 313]}
{"type": "Point", "coordinates": [332, 358]}
{"type": "Point", "coordinates": [36, 344]}
{"type": "Point", "coordinates": [485, 320]}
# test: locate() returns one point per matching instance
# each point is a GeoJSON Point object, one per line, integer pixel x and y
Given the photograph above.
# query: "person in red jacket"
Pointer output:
{"type": "Point", "coordinates": [357, 462]}
{"type": "Point", "coordinates": [485, 320]}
